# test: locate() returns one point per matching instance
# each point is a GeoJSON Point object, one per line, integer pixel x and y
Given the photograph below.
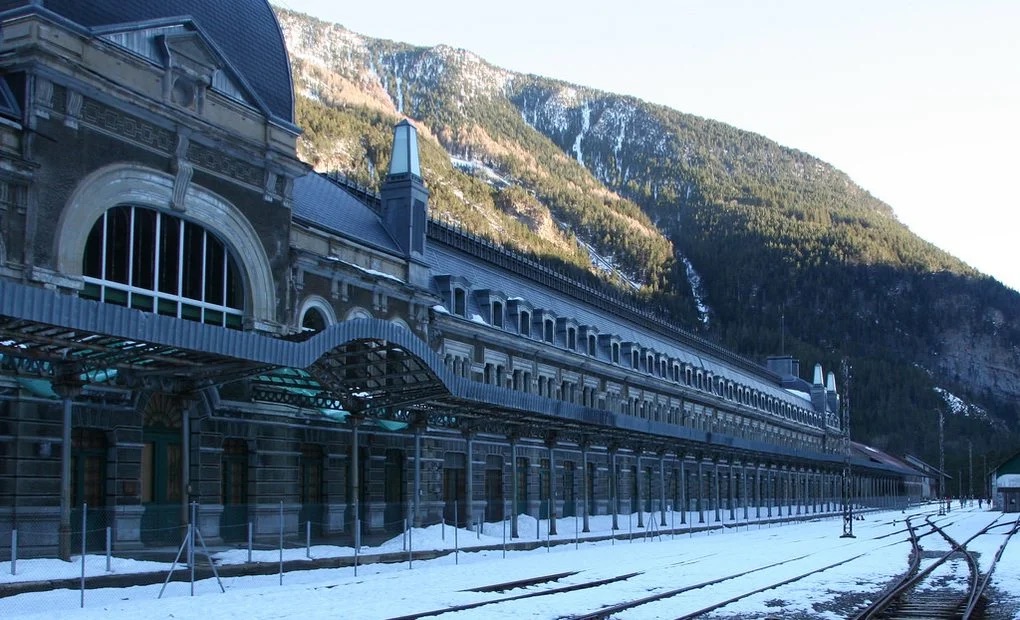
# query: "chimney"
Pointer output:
{"type": "Point", "coordinates": [404, 197]}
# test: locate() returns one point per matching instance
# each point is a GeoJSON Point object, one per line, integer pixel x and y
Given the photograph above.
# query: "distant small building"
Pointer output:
{"type": "Point", "coordinates": [1006, 484]}
{"type": "Point", "coordinates": [929, 480]}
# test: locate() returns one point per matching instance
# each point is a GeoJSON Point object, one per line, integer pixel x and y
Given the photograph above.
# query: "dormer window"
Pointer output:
{"type": "Point", "coordinates": [545, 323]}
{"type": "Point", "coordinates": [592, 345]}
{"type": "Point", "coordinates": [454, 289]}
{"type": "Point", "coordinates": [566, 333]}
{"type": "Point", "coordinates": [616, 352]}
{"type": "Point", "coordinates": [497, 314]}
{"type": "Point", "coordinates": [492, 304]}
{"type": "Point", "coordinates": [525, 323]}
{"type": "Point", "coordinates": [635, 359]}
{"type": "Point", "coordinates": [519, 313]}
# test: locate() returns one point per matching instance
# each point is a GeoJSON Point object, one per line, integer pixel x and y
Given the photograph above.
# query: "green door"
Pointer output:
{"type": "Point", "coordinates": [162, 490]}
{"type": "Point", "coordinates": [88, 489]}
{"type": "Point", "coordinates": [234, 519]}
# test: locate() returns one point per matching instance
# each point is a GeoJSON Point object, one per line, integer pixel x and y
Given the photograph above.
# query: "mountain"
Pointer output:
{"type": "Point", "coordinates": [758, 246]}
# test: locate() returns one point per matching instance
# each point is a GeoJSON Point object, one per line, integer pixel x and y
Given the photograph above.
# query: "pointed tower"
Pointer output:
{"type": "Point", "coordinates": [830, 392]}
{"type": "Point", "coordinates": [818, 397]}
{"type": "Point", "coordinates": [404, 197]}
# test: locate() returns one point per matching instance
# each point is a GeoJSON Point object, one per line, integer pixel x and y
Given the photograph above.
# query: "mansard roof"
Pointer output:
{"type": "Point", "coordinates": [443, 259]}
{"type": "Point", "coordinates": [322, 202]}
{"type": "Point", "coordinates": [245, 31]}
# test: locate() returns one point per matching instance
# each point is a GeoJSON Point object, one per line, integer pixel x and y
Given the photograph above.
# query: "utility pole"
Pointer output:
{"type": "Point", "coordinates": [942, 468]}
{"type": "Point", "coordinates": [970, 463]}
{"type": "Point", "coordinates": [848, 506]}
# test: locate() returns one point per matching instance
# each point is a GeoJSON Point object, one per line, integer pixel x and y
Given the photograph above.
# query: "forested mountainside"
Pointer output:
{"type": "Point", "coordinates": [758, 246]}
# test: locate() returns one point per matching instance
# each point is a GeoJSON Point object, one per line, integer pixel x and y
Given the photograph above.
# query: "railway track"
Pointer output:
{"type": "Point", "coordinates": [944, 601]}
{"type": "Point", "coordinates": [937, 591]}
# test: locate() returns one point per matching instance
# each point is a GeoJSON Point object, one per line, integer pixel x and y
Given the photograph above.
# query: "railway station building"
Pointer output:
{"type": "Point", "coordinates": [189, 315]}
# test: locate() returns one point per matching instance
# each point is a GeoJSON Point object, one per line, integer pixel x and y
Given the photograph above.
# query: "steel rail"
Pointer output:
{"type": "Point", "coordinates": [972, 605]}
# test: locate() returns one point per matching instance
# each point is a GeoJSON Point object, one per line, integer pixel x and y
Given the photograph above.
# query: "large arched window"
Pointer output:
{"type": "Point", "coordinates": [155, 262]}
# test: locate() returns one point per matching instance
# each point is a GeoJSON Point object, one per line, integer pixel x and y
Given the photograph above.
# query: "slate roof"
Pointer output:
{"type": "Point", "coordinates": [245, 31]}
{"type": "Point", "coordinates": [481, 275]}
{"type": "Point", "coordinates": [318, 200]}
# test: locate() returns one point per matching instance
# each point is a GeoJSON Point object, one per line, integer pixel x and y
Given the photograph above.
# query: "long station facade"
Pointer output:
{"type": "Point", "coordinates": [195, 325]}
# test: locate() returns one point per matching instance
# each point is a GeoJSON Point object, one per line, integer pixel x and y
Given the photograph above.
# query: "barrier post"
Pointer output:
{"type": "Point", "coordinates": [84, 514]}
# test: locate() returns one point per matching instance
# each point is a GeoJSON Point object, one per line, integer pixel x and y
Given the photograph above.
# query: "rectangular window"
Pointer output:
{"type": "Point", "coordinates": [459, 302]}
{"type": "Point", "coordinates": [571, 338]}
{"type": "Point", "coordinates": [143, 252]}
{"type": "Point", "coordinates": [525, 324]}
{"type": "Point", "coordinates": [497, 314]}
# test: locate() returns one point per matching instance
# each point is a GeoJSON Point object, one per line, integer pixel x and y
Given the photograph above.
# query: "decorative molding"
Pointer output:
{"type": "Point", "coordinates": [184, 170]}
{"type": "Point", "coordinates": [181, 181]}
{"type": "Point", "coordinates": [269, 187]}
{"type": "Point", "coordinates": [73, 106]}
{"type": "Point", "coordinates": [127, 127]}
{"type": "Point", "coordinates": [43, 97]}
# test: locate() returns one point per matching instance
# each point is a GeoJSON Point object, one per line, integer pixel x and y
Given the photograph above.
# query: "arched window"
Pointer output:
{"type": "Point", "coordinates": [313, 321]}
{"type": "Point", "coordinates": [155, 262]}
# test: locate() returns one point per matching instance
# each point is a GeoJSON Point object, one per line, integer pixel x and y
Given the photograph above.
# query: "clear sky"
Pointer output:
{"type": "Point", "coordinates": [918, 101]}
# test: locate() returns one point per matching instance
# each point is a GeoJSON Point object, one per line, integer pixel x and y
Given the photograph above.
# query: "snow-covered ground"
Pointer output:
{"type": "Point", "coordinates": [662, 561]}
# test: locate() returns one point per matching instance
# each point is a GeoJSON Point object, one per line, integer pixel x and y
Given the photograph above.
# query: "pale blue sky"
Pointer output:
{"type": "Point", "coordinates": [917, 101]}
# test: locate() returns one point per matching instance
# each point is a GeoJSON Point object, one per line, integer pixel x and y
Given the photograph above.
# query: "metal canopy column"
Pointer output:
{"type": "Point", "coordinates": [743, 482]}
{"type": "Point", "coordinates": [355, 480]}
{"type": "Point", "coordinates": [715, 476]}
{"type": "Point", "coordinates": [662, 487]}
{"type": "Point", "coordinates": [683, 489]}
{"type": "Point", "coordinates": [469, 477]}
{"type": "Point", "coordinates": [732, 500]}
{"type": "Point", "coordinates": [550, 443]}
{"type": "Point", "coordinates": [67, 385]}
{"type": "Point", "coordinates": [584, 478]}
{"type": "Point", "coordinates": [513, 487]}
{"type": "Point", "coordinates": [613, 498]}
{"type": "Point", "coordinates": [637, 491]}
{"type": "Point", "coordinates": [701, 487]}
